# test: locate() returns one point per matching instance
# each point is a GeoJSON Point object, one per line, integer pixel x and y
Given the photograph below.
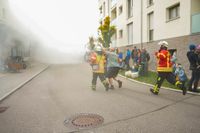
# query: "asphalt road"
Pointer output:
{"type": "Point", "coordinates": [62, 91]}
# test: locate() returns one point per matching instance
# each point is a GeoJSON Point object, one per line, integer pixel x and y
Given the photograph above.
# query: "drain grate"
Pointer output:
{"type": "Point", "coordinates": [3, 109]}
{"type": "Point", "coordinates": [84, 121]}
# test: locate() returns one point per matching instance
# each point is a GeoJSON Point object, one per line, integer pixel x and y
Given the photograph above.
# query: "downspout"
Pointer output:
{"type": "Point", "coordinates": [108, 7]}
{"type": "Point", "coordinates": [141, 30]}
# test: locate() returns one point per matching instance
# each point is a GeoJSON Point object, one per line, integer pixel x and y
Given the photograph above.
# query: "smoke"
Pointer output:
{"type": "Point", "coordinates": [59, 26]}
{"type": "Point", "coordinates": [7, 42]}
{"type": "Point", "coordinates": [58, 54]}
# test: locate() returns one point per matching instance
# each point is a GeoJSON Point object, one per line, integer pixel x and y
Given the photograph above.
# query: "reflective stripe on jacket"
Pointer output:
{"type": "Point", "coordinates": [164, 63]}
{"type": "Point", "coordinates": [101, 62]}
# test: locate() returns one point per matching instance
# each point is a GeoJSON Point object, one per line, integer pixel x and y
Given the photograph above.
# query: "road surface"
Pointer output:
{"type": "Point", "coordinates": [62, 91]}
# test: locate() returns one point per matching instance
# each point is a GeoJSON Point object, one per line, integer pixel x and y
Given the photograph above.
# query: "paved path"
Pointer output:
{"type": "Point", "coordinates": [10, 82]}
{"type": "Point", "coordinates": [42, 105]}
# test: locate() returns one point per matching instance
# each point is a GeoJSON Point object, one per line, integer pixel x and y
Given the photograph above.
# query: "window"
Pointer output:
{"type": "Point", "coordinates": [114, 14]}
{"type": "Point", "coordinates": [130, 8]}
{"type": "Point", "coordinates": [130, 33]}
{"type": "Point", "coordinates": [120, 10]}
{"type": "Point", "coordinates": [120, 33]}
{"type": "Point", "coordinates": [173, 12]}
{"type": "Point", "coordinates": [150, 26]}
{"type": "Point", "coordinates": [149, 2]}
{"type": "Point", "coordinates": [100, 9]}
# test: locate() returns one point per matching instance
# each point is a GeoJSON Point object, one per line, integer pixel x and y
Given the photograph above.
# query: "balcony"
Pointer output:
{"type": "Point", "coordinates": [101, 16]}
{"type": "Point", "coordinates": [195, 23]}
{"type": "Point", "coordinates": [113, 16]}
{"type": "Point", "coordinates": [114, 22]}
{"type": "Point", "coordinates": [114, 43]}
{"type": "Point", "coordinates": [113, 3]}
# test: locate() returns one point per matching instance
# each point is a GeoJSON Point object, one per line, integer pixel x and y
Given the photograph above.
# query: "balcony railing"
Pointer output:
{"type": "Point", "coordinates": [114, 22]}
{"type": "Point", "coordinates": [195, 23]}
{"type": "Point", "coordinates": [114, 43]}
{"type": "Point", "coordinates": [101, 16]}
{"type": "Point", "coordinates": [113, 2]}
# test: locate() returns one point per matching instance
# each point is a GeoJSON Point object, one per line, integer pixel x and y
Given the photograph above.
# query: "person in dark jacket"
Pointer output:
{"type": "Point", "coordinates": [144, 58]}
{"type": "Point", "coordinates": [193, 60]}
{"type": "Point", "coordinates": [127, 58]}
{"type": "Point", "coordinates": [134, 54]}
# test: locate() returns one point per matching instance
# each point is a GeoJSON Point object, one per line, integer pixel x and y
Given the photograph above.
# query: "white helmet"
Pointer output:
{"type": "Point", "coordinates": [98, 48]}
{"type": "Point", "coordinates": [163, 43]}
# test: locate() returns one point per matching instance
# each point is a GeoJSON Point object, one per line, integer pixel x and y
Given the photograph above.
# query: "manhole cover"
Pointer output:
{"type": "Point", "coordinates": [84, 121]}
{"type": "Point", "coordinates": [3, 109]}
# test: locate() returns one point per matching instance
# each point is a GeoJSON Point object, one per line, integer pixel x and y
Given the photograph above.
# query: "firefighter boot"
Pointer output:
{"type": "Point", "coordinates": [155, 90]}
{"type": "Point", "coordinates": [106, 85]}
{"type": "Point", "coordinates": [93, 87]}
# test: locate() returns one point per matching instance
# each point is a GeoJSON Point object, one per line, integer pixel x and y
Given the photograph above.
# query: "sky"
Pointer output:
{"type": "Point", "coordinates": [67, 23]}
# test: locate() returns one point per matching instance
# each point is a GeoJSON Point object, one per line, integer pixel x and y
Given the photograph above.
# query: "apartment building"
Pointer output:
{"type": "Point", "coordinates": [143, 23]}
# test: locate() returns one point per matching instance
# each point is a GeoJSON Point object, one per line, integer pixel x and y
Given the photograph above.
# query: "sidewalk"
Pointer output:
{"type": "Point", "coordinates": [10, 82]}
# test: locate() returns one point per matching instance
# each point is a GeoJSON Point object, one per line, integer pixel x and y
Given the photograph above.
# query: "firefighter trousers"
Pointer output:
{"type": "Point", "coordinates": [170, 77]}
{"type": "Point", "coordinates": [101, 77]}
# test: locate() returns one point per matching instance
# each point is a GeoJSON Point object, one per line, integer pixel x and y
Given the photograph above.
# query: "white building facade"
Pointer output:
{"type": "Point", "coordinates": [142, 23]}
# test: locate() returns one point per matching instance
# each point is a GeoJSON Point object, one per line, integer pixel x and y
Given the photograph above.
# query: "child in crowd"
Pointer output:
{"type": "Point", "coordinates": [180, 74]}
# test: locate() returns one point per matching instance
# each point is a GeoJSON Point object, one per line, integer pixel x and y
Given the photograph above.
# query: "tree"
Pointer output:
{"type": "Point", "coordinates": [106, 32]}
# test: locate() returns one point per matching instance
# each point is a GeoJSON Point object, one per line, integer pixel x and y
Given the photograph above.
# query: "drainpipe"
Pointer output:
{"type": "Point", "coordinates": [141, 30]}
{"type": "Point", "coordinates": [108, 7]}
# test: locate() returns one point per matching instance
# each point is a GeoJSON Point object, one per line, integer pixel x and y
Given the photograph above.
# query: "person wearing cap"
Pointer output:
{"type": "Point", "coordinates": [164, 69]}
{"type": "Point", "coordinates": [193, 59]}
{"type": "Point", "coordinates": [97, 62]}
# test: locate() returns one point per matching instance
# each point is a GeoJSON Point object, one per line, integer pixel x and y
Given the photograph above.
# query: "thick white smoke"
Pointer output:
{"type": "Point", "coordinates": [58, 54]}
{"type": "Point", "coordinates": [60, 26]}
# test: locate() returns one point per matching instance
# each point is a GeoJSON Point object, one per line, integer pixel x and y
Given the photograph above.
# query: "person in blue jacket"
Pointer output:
{"type": "Point", "coordinates": [180, 74]}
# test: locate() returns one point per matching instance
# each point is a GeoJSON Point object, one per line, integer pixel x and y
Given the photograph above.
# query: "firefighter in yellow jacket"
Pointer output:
{"type": "Point", "coordinates": [164, 69]}
{"type": "Point", "coordinates": [97, 61]}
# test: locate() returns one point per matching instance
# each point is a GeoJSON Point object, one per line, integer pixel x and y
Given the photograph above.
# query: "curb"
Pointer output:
{"type": "Point", "coordinates": [166, 88]}
{"type": "Point", "coordinates": [22, 84]}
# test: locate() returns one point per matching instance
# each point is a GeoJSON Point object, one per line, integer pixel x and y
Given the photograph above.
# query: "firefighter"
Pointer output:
{"type": "Point", "coordinates": [97, 61]}
{"type": "Point", "coordinates": [164, 69]}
